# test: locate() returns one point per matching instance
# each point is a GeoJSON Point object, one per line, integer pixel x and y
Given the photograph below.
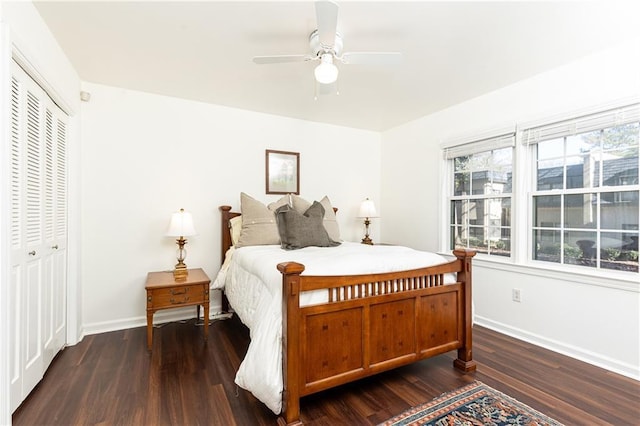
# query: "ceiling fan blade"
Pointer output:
{"type": "Point", "coordinates": [372, 58]}
{"type": "Point", "coordinates": [278, 59]}
{"type": "Point", "coordinates": [327, 19]}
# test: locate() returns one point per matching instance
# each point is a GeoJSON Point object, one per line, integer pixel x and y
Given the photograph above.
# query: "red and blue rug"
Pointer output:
{"type": "Point", "coordinates": [474, 404]}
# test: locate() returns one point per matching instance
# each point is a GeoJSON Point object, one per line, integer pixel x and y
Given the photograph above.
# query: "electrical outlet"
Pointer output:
{"type": "Point", "coordinates": [515, 295]}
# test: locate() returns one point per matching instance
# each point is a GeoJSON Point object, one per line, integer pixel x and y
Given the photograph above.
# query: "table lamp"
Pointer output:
{"type": "Point", "coordinates": [181, 226]}
{"type": "Point", "coordinates": [367, 211]}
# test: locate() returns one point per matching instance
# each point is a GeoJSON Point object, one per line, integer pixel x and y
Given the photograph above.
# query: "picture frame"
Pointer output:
{"type": "Point", "coordinates": [282, 172]}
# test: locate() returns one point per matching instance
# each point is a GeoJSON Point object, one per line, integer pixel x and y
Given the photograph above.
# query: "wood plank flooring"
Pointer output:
{"type": "Point", "coordinates": [111, 379]}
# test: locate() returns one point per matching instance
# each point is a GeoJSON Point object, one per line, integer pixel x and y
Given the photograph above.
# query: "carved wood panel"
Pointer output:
{"type": "Point", "coordinates": [437, 320]}
{"type": "Point", "coordinates": [333, 343]}
{"type": "Point", "coordinates": [392, 330]}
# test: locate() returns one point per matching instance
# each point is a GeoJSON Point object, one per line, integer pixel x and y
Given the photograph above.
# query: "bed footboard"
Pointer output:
{"type": "Point", "coordinates": [371, 323]}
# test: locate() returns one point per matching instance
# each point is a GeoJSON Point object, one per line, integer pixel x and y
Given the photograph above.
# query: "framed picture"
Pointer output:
{"type": "Point", "coordinates": [282, 172]}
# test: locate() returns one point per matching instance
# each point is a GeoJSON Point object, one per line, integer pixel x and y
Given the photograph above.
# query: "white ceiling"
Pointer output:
{"type": "Point", "coordinates": [452, 51]}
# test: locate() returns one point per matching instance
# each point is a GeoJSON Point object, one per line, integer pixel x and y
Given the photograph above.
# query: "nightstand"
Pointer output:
{"type": "Point", "coordinates": [164, 292]}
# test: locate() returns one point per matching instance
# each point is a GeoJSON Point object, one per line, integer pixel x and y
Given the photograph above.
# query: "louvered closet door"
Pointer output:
{"type": "Point", "coordinates": [38, 233]}
{"type": "Point", "coordinates": [55, 233]}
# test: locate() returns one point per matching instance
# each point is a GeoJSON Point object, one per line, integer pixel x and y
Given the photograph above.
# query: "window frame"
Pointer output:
{"type": "Point", "coordinates": [469, 147]}
{"type": "Point", "coordinates": [523, 185]}
{"type": "Point", "coordinates": [597, 190]}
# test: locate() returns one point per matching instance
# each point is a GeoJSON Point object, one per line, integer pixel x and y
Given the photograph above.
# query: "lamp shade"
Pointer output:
{"type": "Point", "coordinates": [181, 225]}
{"type": "Point", "coordinates": [367, 209]}
{"type": "Point", "coordinates": [326, 72]}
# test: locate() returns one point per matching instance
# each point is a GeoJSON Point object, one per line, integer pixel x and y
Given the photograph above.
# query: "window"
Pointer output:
{"type": "Point", "coordinates": [480, 205]}
{"type": "Point", "coordinates": [572, 198]}
{"type": "Point", "coordinates": [585, 196]}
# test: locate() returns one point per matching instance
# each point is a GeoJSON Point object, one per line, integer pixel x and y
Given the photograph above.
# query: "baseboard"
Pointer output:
{"type": "Point", "coordinates": [628, 370]}
{"type": "Point", "coordinates": [159, 317]}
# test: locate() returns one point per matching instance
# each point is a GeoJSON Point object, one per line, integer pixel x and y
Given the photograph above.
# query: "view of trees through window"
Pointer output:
{"type": "Point", "coordinates": [582, 196]}
{"type": "Point", "coordinates": [481, 202]}
{"type": "Point", "coordinates": [585, 204]}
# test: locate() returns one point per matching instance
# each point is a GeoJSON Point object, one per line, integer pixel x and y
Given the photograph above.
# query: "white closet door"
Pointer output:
{"type": "Point", "coordinates": [55, 226]}
{"type": "Point", "coordinates": [38, 233]}
{"type": "Point", "coordinates": [17, 245]}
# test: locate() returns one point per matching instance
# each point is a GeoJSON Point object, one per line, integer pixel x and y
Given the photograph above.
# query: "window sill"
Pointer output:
{"type": "Point", "coordinates": [628, 281]}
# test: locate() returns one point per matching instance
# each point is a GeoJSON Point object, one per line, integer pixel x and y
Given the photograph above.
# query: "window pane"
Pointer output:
{"type": "Point", "coordinates": [458, 211]}
{"type": "Point", "coordinates": [505, 212]}
{"type": "Point", "coordinates": [546, 211]}
{"type": "Point", "coordinates": [580, 248]}
{"type": "Point", "coordinates": [580, 211]}
{"type": "Point", "coordinates": [477, 240]}
{"type": "Point", "coordinates": [619, 210]}
{"type": "Point", "coordinates": [461, 164]}
{"type": "Point", "coordinates": [500, 241]}
{"type": "Point", "coordinates": [550, 175]}
{"type": "Point", "coordinates": [583, 171]}
{"type": "Point", "coordinates": [480, 182]}
{"type": "Point", "coordinates": [461, 183]}
{"type": "Point", "coordinates": [476, 212]}
{"type": "Point", "coordinates": [620, 168]}
{"type": "Point", "coordinates": [550, 149]}
{"type": "Point", "coordinates": [546, 246]}
{"type": "Point", "coordinates": [494, 212]}
{"type": "Point", "coordinates": [619, 251]}
{"type": "Point", "coordinates": [502, 167]}
{"type": "Point", "coordinates": [583, 143]}
{"type": "Point", "coordinates": [480, 175]}
{"type": "Point", "coordinates": [458, 237]}
{"type": "Point", "coordinates": [618, 137]}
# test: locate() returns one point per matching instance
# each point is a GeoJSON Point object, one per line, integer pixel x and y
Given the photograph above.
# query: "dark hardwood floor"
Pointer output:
{"type": "Point", "coordinates": [111, 379]}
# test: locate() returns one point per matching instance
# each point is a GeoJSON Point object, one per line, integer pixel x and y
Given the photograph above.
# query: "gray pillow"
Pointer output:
{"type": "Point", "coordinates": [330, 221]}
{"type": "Point", "coordinates": [303, 230]}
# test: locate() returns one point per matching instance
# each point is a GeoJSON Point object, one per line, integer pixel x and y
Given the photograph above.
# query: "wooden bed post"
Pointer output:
{"type": "Point", "coordinates": [225, 234]}
{"type": "Point", "coordinates": [291, 356]}
{"type": "Point", "coordinates": [226, 244]}
{"type": "Point", "coordinates": [465, 360]}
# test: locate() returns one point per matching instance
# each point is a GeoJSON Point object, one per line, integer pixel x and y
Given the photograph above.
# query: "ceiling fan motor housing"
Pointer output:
{"type": "Point", "coordinates": [318, 49]}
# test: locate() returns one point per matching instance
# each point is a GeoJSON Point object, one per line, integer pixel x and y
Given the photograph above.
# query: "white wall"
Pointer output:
{"type": "Point", "coordinates": [145, 156]}
{"type": "Point", "coordinates": [560, 311]}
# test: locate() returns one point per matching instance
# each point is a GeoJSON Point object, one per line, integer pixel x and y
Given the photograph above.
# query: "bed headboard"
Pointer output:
{"type": "Point", "coordinates": [226, 216]}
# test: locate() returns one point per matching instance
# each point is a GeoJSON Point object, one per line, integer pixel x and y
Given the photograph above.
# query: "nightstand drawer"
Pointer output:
{"type": "Point", "coordinates": [180, 295]}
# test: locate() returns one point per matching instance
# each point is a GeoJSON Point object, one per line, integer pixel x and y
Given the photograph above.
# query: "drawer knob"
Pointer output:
{"type": "Point", "coordinates": [179, 302]}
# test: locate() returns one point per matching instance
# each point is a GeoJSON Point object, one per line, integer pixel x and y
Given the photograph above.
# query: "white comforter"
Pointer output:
{"type": "Point", "coordinates": [253, 286]}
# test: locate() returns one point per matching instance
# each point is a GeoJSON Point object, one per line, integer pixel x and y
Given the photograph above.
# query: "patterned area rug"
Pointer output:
{"type": "Point", "coordinates": [474, 404]}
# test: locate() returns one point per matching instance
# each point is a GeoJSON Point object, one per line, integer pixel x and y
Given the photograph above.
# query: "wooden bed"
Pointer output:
{"type": "Point", "coordinates": [410, 316]}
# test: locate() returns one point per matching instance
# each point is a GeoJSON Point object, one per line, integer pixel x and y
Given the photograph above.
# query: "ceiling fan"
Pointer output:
{"type": "Point", "coordinates": [326, 46]}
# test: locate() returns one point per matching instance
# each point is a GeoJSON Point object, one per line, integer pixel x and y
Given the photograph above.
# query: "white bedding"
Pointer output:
{"type": "Point", "coordinates": [253, 286]}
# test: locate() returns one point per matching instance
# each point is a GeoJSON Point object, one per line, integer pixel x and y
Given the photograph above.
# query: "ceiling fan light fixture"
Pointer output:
{"type": "Point", "coordinates": [326, 72]}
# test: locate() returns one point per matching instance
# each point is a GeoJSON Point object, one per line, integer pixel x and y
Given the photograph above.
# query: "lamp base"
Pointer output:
{"type": "Point", "coordinates": [366, 239]}
{"type": "Point", "coordinates": [181, 272]}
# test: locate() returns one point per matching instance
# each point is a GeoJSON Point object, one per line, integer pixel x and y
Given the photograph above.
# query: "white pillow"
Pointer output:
{"type": "Point", "coordinates": [258, 222]}
{"type": "Point", "coordinates": [236, 227]}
